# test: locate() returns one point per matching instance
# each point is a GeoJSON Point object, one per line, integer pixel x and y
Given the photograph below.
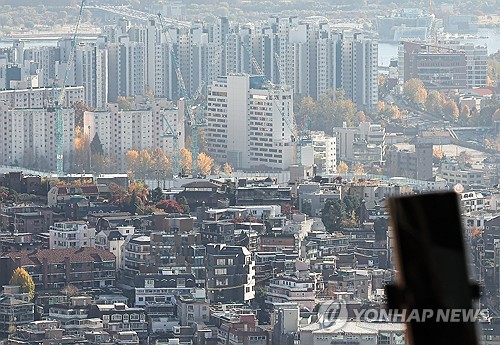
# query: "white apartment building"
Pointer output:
{"type": "Point", "coordinates": [27, 137]}
{"type": "Point", "coordinates": [325, 153]}
{"type": "Point", "coordinates": [247, 123]}
{"type": "Point", "coordinates": [36, 98]}
{"type": "Point", "coordinates": [126, 65]}
{"type": "Point", "coordinates": [76, 234]}
{"type": "Point", "coordinates": [123, 130]}
{"type": "Point", "coordinates": [360, 69]}
{"type": "Point", "coordinates": [91, 71]}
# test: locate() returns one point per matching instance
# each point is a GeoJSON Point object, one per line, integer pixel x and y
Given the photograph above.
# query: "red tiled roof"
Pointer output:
{"type": "Point", "coordinates": [54, 256]}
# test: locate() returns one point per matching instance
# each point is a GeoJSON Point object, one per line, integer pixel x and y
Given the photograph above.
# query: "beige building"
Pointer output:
{"type": "Point", "coordinates": [122, 130]}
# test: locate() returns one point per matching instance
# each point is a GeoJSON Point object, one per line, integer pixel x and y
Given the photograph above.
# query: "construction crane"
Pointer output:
{"type": "Point", "coordinates": [175, 143]}
{"type": "Point", "coordinates": [59, 131]}
{"type": "Point", "coordinates": [194, 121]}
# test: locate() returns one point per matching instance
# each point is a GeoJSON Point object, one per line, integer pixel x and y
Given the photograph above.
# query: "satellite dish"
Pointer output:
{"type": "Point", "coordinates": [458, 188]}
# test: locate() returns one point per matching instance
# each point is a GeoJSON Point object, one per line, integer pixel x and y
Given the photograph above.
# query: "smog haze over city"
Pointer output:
{"type": "Point", "coordinates": [201, 172]}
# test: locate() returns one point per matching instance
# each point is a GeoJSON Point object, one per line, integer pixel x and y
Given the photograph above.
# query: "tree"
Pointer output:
{"type": "Point", "coordinates": [437, 153]}
{"type": "Point", "coordinates": [205, 163]}
{"type": "Point", "coordinates": [96, 145]}
{"type": "Point", "coordinates": [118, 194]}
{"type": "Point", "coordinates": [184, 204]}
{"type": "Point", "coordinates": [435, 102]}
{"type": "Point", "coordinates": [465, 115]}
{"type": "Point", "coordinates": [170, 206]}
{"type": "Point", "coordinates": [132, 160]}
{"type": "Point", "coordinates": [420, 96]}
{"type": "Point", "coordinates": [185, 161]}
{"type": "Point", "coordinates": [141, 190]}
{"type": "Point", "coordinates": [160, 164]}
{"type": "Point", "coordinates": [228, 170]}
{"type": "Point", "coordinates": [332, 214]}
{"type": "Point", "coordinates": [125, 103]}
{"type": "Point", "coordinates": [342, 168]}
{"type": "Point", "coordinates": [359, 169]}
{"type": "Point", "coordinates": [414, 91]}
{"type": "Point", "coordinates": [82, 151]}
{"type": "Point", "coordinates": [306, 107]}
{"type": "Point", "coordinates": [450, 110]}
{"type": "Point", "coordinates": [133, 203]}
{"type": "Point", "coordinates": [352, 205]}
{"type": "Point", "coordinates": [22, 278]}
{"type": "Point", "coordinates": [157, 194]}
{"type": "Point", "coordinates": [333, 109]}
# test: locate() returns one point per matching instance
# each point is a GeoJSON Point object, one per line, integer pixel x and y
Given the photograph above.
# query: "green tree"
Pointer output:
{"type": "Point", "coordinates": [156, 194]}
{"type": "Point", "coordinates": [184, 204]}
{"type": "Point", "coordinates": [133, 202]}
{"type": "Point", "coordinates": [96, 145]}
{"type": "Point", "coordinates": [22, 278]}
{"type": "Point", "coordinates": [352, 204]}
{"type": "Point", "coordinates": [332, 214]}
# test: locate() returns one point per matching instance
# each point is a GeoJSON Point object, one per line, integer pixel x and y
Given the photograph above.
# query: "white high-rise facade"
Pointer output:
{"type": "Point", "coordinates": [27, 127]}
{"type": "Point", "coordinates": [122, 130]}
{"type": "Point", "coordinates": [248, 124]}
{"type": "Point", "coordinates": [91, 72]}
{"type": "Point", "coordinates": [360, 69]}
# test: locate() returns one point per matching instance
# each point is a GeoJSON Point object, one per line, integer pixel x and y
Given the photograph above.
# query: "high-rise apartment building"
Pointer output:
{"type": "Point", "coordinates": [122, 130]}
{"type": "Point", "coordinates": [91, 72]}
{"type": "Point", "coordinates": [27, 127]}
{"type": "Point", "coordinates": [360, 69]}
{"type": "Point", "coordinates": [248, 122]}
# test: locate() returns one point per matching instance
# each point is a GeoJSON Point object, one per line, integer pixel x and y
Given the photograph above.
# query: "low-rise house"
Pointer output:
{"type": "Point", "coordinates": [84, 268]}
{"type": "Point", "coordinates": [242, 329]}
{"type": "Point", "coordinates": [119, 317]}
{"type": "Point", "coordinates": [16, 309]}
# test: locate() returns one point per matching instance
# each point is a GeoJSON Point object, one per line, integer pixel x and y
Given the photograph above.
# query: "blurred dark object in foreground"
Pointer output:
{"type": "Point", "coordinates": [432, 274]}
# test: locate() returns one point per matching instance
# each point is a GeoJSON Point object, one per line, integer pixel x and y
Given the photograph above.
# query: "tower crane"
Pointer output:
{"type": "Point", "coordinates": [194, 121]}
{"type": "Point", "coordinates": [59, 131]}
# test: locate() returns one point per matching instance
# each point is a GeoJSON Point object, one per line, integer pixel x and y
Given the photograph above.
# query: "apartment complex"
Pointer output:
{"type": "Point", "coordinates": [122, 130]}
{"type": "Point", "coordinates": [309, 54]}
{"type": "Point", "coordinates": [249, 122]}
{"type": "Point", "coordinates": [27, 127]}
